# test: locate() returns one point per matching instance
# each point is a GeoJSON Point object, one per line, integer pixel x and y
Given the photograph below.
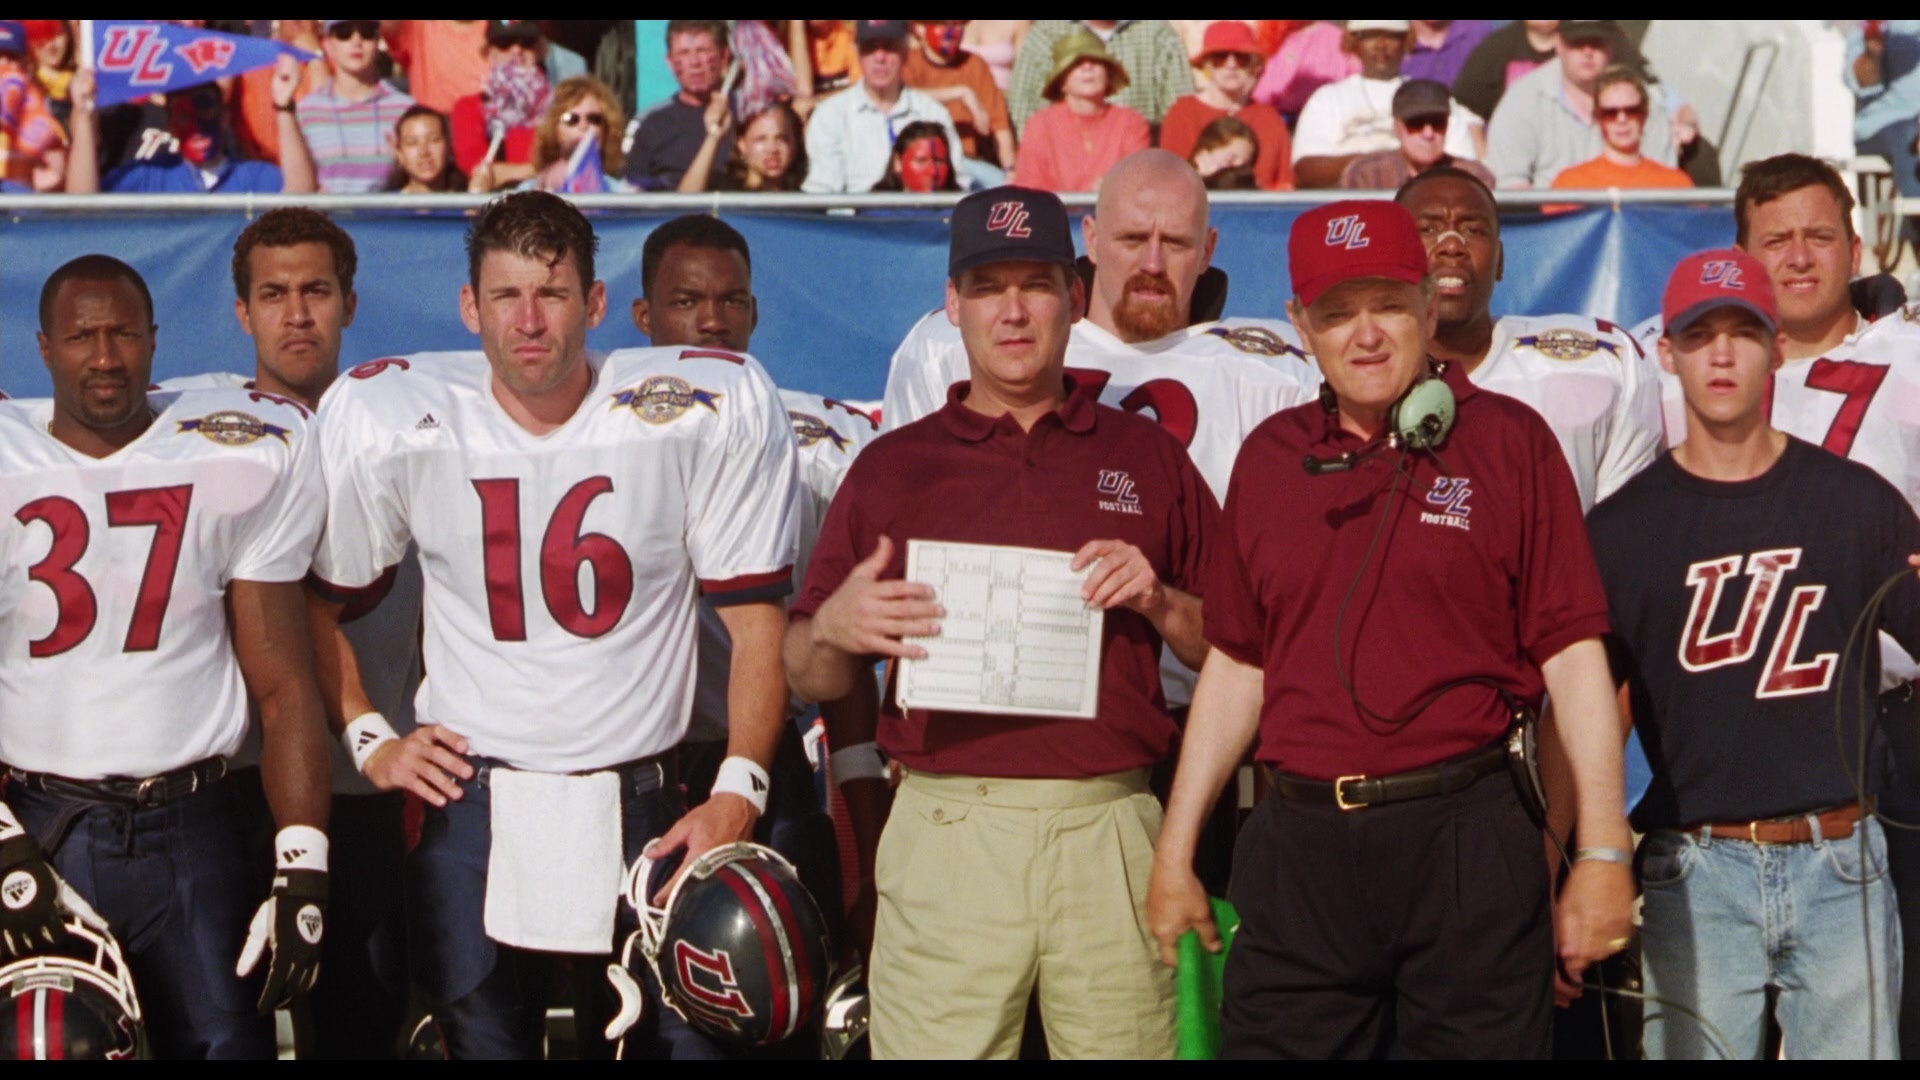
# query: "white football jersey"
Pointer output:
{"type": "Point", "coordinates": [827, 434]}
{"type": "Point", "coordinates": [386, 638]}
{"type": "Point", "coordinates": [1861, 401]}
{"type": "Point", "coordinates": [1591, 383]}
{"type": "Point", "coordinates": [114, 654]}
{"type": "Point", "coordinates": [1209, 384]}
{"type": "Point", "coordinates": [561, 570]}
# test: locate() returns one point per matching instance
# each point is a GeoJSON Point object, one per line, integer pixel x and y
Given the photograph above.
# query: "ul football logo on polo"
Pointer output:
{"type": "Point", "coordinates": [18, 890]}
{"type": "Point", "coordinates": [1449, 498]}
{"type": "Point", "coordinates": [1125, 500]}
{"type": "Point", "coordinates": [1724, 273]}
{"type": "Point", "coordinates": [311, 924]}
{"type": "Point", "coordinates": [1347, 232]}
{"type": "Point", "coordinates": [1009, 218]}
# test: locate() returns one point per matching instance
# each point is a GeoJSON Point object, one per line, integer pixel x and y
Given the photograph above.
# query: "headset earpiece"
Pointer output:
{"type": "Point", "coordinates": [1423, 415]}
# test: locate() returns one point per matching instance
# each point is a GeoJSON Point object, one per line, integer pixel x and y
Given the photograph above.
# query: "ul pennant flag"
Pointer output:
{"type": "Point", "coordinates": [132, 59]}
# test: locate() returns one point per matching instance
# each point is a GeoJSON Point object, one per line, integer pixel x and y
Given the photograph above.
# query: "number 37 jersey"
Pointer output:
{"type": "Point", "coordinates": [561, 570]}
{"type": "Point", "coordinates": [115, 658]}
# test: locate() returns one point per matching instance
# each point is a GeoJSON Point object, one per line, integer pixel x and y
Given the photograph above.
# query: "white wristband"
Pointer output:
{"type": "Point", "coordinates": [741, 776]}
{"type": "Point", "coordinates": [368, 732]}
{"type": "Point", "coordinates": [861, 761]}
{"type": "Point", "coordinates": [300, 847]}
{"type": "Point", "coordinates": [9, 825]}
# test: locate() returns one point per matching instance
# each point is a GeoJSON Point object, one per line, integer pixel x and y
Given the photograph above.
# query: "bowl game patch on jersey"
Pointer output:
{"type": "Point", "coordinates": [232, 428]}
{"type": "Point", "coordinates": [1566, 343]}
{"type": "Point", "coordinates": [810, 429]}
{"type": "Point", "coordinates": [1258, 340]}
{"type": "Point", "coordinates": [662, 399]}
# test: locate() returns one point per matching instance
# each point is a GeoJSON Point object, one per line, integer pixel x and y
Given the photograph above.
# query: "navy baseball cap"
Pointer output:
{"type": "Point", "coordinates": [13, 36]}
{"type": "Point", "coordinates": [1009, 224]}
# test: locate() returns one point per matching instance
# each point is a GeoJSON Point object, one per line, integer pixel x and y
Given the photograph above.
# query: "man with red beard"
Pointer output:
{"type": "Point", "coordinates": [1149, 245]}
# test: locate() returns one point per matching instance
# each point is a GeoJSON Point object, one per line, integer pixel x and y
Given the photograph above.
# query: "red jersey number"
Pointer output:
{"type": "Point", "coordinates": [1859, 382]}
{"type": "Point", "coordinates": [562, 549]}
{"type": "Point", "coordinates": [164, 509]}
{"type": "Point", "coordinates": [1170, 401]}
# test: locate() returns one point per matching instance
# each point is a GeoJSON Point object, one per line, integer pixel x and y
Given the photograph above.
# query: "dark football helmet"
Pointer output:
{"type": "Point", "coordinates": [740, 949]}
{"type": "Point", "coordinates": [74, 1002]}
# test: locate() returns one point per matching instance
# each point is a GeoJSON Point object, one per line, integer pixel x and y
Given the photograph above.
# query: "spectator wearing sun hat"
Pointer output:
{"type": "Point", "coordinates": [1231, 59]}
{"type": "Point", "coordinates": [1070, 144]}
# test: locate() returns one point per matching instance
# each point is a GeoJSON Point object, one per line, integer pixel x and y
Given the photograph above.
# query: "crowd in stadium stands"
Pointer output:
{"type": "Point", "coordinates": [823, 106]}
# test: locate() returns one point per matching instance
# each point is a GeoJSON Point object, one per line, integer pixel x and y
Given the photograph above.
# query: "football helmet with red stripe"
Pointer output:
{"type": "Point", "coordinates": [75, 1001]}
{"type": "Point", "coordinates": [740, 949]}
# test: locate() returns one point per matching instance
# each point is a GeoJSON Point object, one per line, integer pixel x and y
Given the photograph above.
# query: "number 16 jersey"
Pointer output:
{"type": "Point", "coordinates": [115, 658]}
{"type": "Point", "coordinates": [561, 569]}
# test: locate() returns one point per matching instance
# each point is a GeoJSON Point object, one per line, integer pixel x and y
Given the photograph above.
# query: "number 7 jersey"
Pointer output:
{"type": "Point", "coordinates": [115, 658]}
{"type": "Point", "coordinates": [561, 570]}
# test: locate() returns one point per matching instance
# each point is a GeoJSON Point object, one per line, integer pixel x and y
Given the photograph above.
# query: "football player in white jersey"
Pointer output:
{"type": "Point", "coordinates": [696, 276]}
{"type": "Point", "coordinates": [1849, 384]}
{"type": "Point", "coordinates": [1207, 382]}
{"type": "Point", "coordinates": [154, 589]}
{"type": "Point", "coordinates": [568, 510]}
{"type": "Point", "coordinates": [293, 272]}
{"type": "Point", "coordinates": [1585, 376]}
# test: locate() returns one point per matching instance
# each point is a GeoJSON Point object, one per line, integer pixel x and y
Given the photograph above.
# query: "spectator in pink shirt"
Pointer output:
{"type": "Point", "coordinates": [1069, 145]}
{"type": "Point", "coordinates": [1310, 58]}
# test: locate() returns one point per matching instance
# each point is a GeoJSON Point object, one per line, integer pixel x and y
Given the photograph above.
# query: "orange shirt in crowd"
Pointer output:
{"type": "Point", "coordinates": [1064, 151]}
{"type": "Point", "coordinates": [923, 74]}
{"type": "Point", "coordinates": [1600, 174]}
{"type": "Point", "coordinates": [255, 121]}
{"type": "Point", "coordinates": [446, 59]}
{"type": "Point", "coordinates": [1273, 169]}
{"type": "Point", "coordinates": [836, 59]}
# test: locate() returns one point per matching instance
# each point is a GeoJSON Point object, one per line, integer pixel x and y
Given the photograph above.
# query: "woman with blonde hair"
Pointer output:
{"type": "Point", "coordinates": [582, 107]}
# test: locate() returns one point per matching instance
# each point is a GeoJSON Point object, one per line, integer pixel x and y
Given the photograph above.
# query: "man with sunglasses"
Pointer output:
{"type": "Point", "coordinates": [349, 123]}
{"type": "Point", "coordinates": [1547, 122]}
{"type": "Point", "coordinates": [1422, 115]}
{"type": "Point", "coordinates": [1620, 109]}
{"type": "Point", "coordinates": [1232, 61]}
{"type": "Point", "coordinates": [1354, 116]}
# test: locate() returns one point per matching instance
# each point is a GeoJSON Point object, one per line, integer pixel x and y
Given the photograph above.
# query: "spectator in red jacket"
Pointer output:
{"type": "Point", "coordinates": [1231, 58]}
{"type": "Point", "coordinates": [505, 110]}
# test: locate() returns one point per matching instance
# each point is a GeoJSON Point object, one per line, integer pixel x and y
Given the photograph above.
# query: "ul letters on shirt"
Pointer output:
{"type": "Point", "coordinates": [1784, 674]}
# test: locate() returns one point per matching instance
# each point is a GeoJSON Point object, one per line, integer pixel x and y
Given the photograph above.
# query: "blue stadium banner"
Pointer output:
{"type": "Point", "coordinates": [135, 58]}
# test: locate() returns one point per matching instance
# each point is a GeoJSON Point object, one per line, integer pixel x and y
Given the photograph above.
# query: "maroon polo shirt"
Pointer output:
{"type": "Point", "coordinates": [958, 475]}
{"type": "Point", "coordinates": [1483, 570]}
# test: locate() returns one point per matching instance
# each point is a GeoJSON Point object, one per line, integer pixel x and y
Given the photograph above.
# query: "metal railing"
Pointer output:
{"type": "Point", "coordinates": [717, 202]}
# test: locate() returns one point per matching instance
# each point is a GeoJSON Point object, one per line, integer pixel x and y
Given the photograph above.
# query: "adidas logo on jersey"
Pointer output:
{"type": "Point", "coordinates": [426, 422]}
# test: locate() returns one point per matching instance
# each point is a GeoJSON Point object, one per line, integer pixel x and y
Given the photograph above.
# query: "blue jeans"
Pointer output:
{"type": "Point", "coordinates": [178, 884]}
{"type": "Point", "coordinates": [1728, 919]}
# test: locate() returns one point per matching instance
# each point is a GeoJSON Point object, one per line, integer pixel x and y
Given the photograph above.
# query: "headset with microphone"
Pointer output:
{"type": "Point", "coordinates": [1420, 420]}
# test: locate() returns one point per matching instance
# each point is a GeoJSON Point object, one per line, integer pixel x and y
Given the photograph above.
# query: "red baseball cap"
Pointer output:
{"type": "Point", "coordinates": [1354, 238]}
{"type": "Point", "coordinates": [1715, 279]}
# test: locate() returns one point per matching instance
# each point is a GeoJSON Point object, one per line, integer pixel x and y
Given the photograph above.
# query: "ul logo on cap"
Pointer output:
{"type": "Point", "coordinates": [1722, 272]}
{"type": "Point", "coordinates": [1009, 218]}
{"type": "Point", "coordinates": [1348, 232]}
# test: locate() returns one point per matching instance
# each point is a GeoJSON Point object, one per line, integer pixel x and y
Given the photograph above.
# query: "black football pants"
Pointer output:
{"type": "Point", "coordinates": [1418, 929]}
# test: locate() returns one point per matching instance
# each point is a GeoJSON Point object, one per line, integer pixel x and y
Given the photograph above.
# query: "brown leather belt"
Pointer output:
{"type": "Point", "coordinates": [1835, 824]}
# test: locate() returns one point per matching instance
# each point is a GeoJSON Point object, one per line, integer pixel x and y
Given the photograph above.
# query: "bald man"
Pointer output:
{"type": "Point", "coordinates": [1150, 248]}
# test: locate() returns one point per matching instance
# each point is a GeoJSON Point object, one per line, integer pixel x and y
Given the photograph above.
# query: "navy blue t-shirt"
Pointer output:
{"type": "Point", "coordinates": [1731, 604]}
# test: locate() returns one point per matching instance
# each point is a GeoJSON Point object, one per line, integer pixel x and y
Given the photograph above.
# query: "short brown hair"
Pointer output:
{"type": "Point", "coordinates": [288, 226]}
{"type": "Point", "coordinates": [1761, 182]}
{"type": "Point", "coordinates": [1618, 74]}
{"type": "Point", "coordinates": [712, 27]}
{"type": "Point", "coordinates": [546, 136]}
{"type": "Point", "coordinates": [534, 224]}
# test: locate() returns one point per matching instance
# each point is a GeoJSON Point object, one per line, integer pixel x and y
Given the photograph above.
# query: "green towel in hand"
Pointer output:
{"type": "Point", "coordinates": [1197, 988]}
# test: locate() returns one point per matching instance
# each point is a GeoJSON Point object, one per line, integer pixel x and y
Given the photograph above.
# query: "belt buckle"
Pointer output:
{"type": "Point", "coordinates": [150, 793]}
{"type": "Point", "coordinates": [1340, 796]}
